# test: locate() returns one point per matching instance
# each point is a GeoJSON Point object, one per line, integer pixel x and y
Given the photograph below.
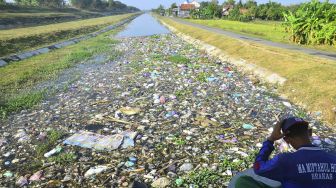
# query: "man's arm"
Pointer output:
{"type": "Point", "coordinates": [272, 169]}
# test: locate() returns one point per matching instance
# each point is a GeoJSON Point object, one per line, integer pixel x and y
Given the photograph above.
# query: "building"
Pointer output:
{"type": "Point", "coordinates": [186, 7]}
{"type": "Point", "coordinates": [226, 10]}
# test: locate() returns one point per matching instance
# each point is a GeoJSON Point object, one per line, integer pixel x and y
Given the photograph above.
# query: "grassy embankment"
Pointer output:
{"type": "Point", "coordinates": [13, 16]}
{"type": "Point", "coordinates": [16, 40]}
{"type": "Point", "coordinates": [18, 78]}
{"type": "Point", "coordinates": [269, 30]}
{"type": "Point", "coordinates": [310, 80]}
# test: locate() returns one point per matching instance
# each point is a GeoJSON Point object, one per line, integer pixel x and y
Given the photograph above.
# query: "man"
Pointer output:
{"type": "Point", "coordinates": [308, 167]}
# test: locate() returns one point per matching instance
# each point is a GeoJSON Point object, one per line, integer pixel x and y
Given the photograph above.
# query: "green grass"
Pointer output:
{"type": "Point", "coordinates": [17, 78]}
{"type": "Point", "coordinates": [21, 101]}
{"type": "Point", "coordinates": [33, 15]}
{"type": "Point", "coordinates": [12, 8]}
{"type": "Point", "coordinates": [203, 177]}
{"type": "Point", "coordinates": [202, 77]}
{"type": "Point", "coordinates": [15, 40]}
{"type": "Point", "coordinates": [51, 141]}
{"type": "Point", "coordinates": [270, 30]}
{"type": "Point", "coordinates": [310, 79]}
{"type": "Point", "coordinates": [63, 158]}
{"type": "Point", "coordinates": [178, 59]}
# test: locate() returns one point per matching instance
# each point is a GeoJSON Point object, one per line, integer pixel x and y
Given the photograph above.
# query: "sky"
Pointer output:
{"type": "Point", "coordinates": [149, 4]}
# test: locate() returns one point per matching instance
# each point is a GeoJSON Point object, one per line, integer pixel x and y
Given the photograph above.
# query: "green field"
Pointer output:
{"type": "Point", "coordinates": [16, 40]}
{"type": "Point", "coordinates": [19, 16]}
{"type": "Point", "coordinates": [310, 80]}
{"type": "Point", "coordinates": [270, 30]}
{"type": "Point", "coordinates": [33, 15]}
{"type": "Point", "coordinates": [18, 79]}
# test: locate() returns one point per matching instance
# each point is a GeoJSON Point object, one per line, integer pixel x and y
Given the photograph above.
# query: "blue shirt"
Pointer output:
{"type": "Point", "coordinates": [308, 167]}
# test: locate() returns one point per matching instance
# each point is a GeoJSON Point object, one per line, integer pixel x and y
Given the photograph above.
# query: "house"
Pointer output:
{"type": "Point", "coordinates": [197, 4]}
{"type": "Point", "coordinates": [243, 11]}
{"type": "Point", "coordinates": [186, 7]}
{"type": "Point", "coordinates": [226, 10]}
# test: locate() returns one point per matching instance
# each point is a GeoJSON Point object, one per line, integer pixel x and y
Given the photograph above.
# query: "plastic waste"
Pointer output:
{"type": "Point", "coordinates": [22, 136]}
{"type": "Point", "coordinates": [54, 151]}
{"type": "Point", "coordinates": [128, 142]}
{"type": "Point", "coordinates": [162, 100]}
{"type": "Point", "coordinates": [22, 181]}
{"type": "Point", "coordinates": [211, 79]}
{"type": "Point", "coordinates": [36, 176]}
{"type": "Point", "coordinates": [179, 181]}
{"type": "Point", "coordinates": [8, 174]}
{"type": "Point", "coordinates": [100, 142]}
{"type": "Point", "coordinates": [95, 141]}
{"type": "Point", "coordinates": [133, 159]}
{"type": "Point", "coordinates": [95, 170]}
{"type": "Point", "coordinates": [129, 110]}
{"type": "Point", "coordinates": [248, 126]}
{"type": "Point", "coordinates": [129, 164]}
{"type": "Point", "coordinates": [3, 141]}
{"type": "Point", "coordinates": [329, 141]}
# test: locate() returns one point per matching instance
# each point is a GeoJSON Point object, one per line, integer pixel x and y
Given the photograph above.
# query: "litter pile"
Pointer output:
{"type": "Point", "coordinates": [164, 115]}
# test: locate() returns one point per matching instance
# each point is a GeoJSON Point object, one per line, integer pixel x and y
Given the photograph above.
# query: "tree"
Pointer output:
{"type": "Point", "coordinates": [172, 6]}
{"type": "Point", "coordinates": [111, 3]}
{"type": "Point", "coordinates": [313, 23]}
{"type": "Point", "coordinates": [27, 2]}
{"type": "Point", "coordinates": [208, 10]}
{"type": "Point", "coordinates": [2, 2]}
{"type": "Point", "coordinates": [240, 4]}
{"type": "Point", "coordinates": [160, 10]}
{"type": "Point", "coordinates": [51, 3]}
{"type": "Point", "coordinates": [97, 4]}
{"type": "Point", "coordinates": [274, 11]}
{"type": "Point", "coordinates": [204, 4]}
{"type": "Point", "coordinates": [229, 2]}
{"type": "Point", "coordinates": [82, 4]}
{"type": "Point", "coordinates": [250, 4]}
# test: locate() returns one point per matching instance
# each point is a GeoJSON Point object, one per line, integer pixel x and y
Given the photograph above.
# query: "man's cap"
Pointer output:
{"type": "Point", "coordinates": [290, 121]}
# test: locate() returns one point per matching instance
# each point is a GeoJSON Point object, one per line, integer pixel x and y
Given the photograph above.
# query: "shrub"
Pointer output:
{"type": "Point", "coordinates": [312, 23]}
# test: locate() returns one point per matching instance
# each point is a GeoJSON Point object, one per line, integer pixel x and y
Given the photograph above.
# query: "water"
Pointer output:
{"type": "Point", "coordinates": [144, 25]}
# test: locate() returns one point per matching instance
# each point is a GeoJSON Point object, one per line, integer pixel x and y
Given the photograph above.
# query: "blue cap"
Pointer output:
{"type": "Point", "coordinates": [290, 121]}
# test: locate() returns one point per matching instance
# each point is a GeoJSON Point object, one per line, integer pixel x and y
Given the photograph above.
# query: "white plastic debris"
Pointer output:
{"type": "Point", "coordinates": [95, 170]}
{"type": "Point", "coordinates": [54, 151]}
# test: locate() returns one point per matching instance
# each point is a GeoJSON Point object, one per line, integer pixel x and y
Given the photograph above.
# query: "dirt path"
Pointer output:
{"type": "Point", "coordinates": [323, 54]}
{"type": "Point", "coordinates": [194, 118]}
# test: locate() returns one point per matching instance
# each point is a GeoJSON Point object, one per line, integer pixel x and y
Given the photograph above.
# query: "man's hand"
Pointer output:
{"type": "Point", "coordinates": [276, 134]}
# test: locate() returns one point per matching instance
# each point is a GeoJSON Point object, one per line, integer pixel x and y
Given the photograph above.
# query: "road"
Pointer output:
{"type": "Point", "coordinates": [319, 53]}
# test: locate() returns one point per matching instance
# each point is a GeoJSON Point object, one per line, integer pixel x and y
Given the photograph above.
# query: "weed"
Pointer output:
{"type": "Point", "coordinates": [25, 100]}
{"type": "Point", "coordinates": [203, 178]}
{"type": "Point", "coordinates": [182, 93]}
{"type": "Point", "coordinates": [178, 59]}
{"type": "Point", "coordinates": [202, 77]}
{"type": "Point", "coordinates": [52, 138]}
{"type": "Point", "coordinates": [63, 159]}
{"type": "Point", "coordinates": [179, 141]}
{"type": "Point", "coordinates": [158, 57]}
{"type": "Point", "coordinates": [159, 147]}
{"type": "Point", "coordinates": [155, 37]}
{"type": "Point", "coordinates": [301, 113]}
{"type": "Point", "coordinates": [31, 166]}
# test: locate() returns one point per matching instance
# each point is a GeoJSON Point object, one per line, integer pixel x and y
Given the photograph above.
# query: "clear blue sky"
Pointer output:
{"type": "Point", "coordinates": [149, 4]}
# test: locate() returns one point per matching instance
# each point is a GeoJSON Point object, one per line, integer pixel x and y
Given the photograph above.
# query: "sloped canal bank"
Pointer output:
{"type": "Point", "coordinates": [191, 120]}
